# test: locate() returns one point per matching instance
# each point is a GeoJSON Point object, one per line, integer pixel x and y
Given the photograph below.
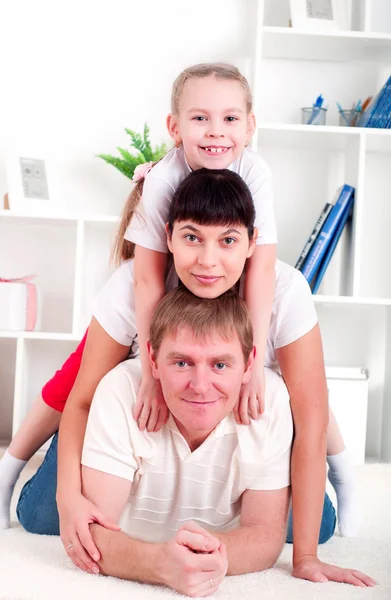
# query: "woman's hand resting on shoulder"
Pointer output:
{"type": "Point", "coordinates": [76, 514]}
{"type": "Point", "coordinates": [150, 410]}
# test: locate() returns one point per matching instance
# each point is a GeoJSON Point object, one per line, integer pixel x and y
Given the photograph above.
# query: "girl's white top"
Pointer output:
{"type": "Point", "coordinates": [147, 228]}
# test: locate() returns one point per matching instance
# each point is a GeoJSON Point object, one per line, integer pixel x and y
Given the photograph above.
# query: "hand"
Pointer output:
{"type": "Point", "coordinates": [76, 513]}
{"type": "Point", "coordinates": [193, 562]}
{"type": "Point", "coordinates": [252, 398]}
{"type": "Point", "coordinates": [313, 569]}
{"type": "Point", "coordinates": [150, 410]}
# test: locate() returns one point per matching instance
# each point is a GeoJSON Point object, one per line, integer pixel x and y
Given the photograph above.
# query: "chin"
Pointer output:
{"type": "Point", "coordinates": [206, 293]}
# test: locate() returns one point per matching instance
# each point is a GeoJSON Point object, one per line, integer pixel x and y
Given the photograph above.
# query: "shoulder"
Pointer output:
{"type": "Point", "coordinates": [250, 166]}
{"type": "Point", "coordinates": [291, 282]}
{"type": "Point", "coordinates": [272, 434]}
{"type": "Point", "coordinates": [169, 171]}
{"type": "Point", "coordinates": [121, 383]}
{"type": "Point", "coordinates": [293, 313]}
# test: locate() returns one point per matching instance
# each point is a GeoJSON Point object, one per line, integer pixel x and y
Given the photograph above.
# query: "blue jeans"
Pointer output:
{"type": "Point", "coordinates": [37, 508]}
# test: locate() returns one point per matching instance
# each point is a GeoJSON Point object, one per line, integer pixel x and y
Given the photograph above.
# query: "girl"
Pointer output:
{"type": "Point", "coordinates": [294, 341]}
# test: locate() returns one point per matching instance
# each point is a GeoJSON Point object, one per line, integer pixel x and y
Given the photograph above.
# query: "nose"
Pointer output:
{"type": "Point", "coordinates": [207, 256]}
{"type": "Point", "coordinates": [199, 381]}
{"type": "Point", "coordinates": [215, 129]}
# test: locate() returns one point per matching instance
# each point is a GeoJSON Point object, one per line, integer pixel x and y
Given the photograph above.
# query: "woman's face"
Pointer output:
{"type": "Point", "coordinates": [209, 259]}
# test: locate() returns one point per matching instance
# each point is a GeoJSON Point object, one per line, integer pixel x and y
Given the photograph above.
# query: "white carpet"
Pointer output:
{"type": "Point", "coordinates": [36, 568]}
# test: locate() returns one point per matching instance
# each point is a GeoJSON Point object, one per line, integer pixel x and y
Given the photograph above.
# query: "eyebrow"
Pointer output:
{"type": "Point", "coordinates": [192, 228]}
{"type": "Point", "coordinates": [220, 358]}
{"type": "Point", "coordinates": [228, 110]}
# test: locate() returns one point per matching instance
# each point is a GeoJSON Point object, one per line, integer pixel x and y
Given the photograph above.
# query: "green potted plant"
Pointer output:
{"type": "Point", "coordinates": [141, 152]}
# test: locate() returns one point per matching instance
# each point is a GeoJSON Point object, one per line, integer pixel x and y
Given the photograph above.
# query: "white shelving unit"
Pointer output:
{"type": "Point", "coordinates": [288, 68]}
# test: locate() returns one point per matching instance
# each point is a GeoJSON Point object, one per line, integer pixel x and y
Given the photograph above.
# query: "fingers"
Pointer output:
{"type": "Point", "coordinates": [358, 579]}
{"type": "Point", "coordinates": [369, 582]}
{"type": "Point", "coordinates": [105, 522]}
{"type": "Point", "coordinates": [79, 556]}
{"type": "Point", "coordinates": [162, 417]}
{"type": "Point", "coordinates": [144, 415]}
{"type": "Point", "coordinates": [197, 542]}
{"type": "Point", "coordinates": [253, 406]}
{"type": "Point", "coordinates": [137, 408]}
{"type": "Point", "coordinates": [243, 408]}
{"type": "Point", "coordinates": [261, 404]}
{"type": "Point", "coordinates": [153, 417]}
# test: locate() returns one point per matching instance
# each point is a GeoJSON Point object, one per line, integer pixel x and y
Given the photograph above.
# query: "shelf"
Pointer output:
{"type": "Point", "coordinates": [351, 300]}
{"type": "Point", "coordinates": [40, 335]}
{"type": "Point", "coordinates": [40, 219]}
{"type": "Point", "coordinates": [286, 42]}
{"type": "Point", "coordinates": [322, 136]}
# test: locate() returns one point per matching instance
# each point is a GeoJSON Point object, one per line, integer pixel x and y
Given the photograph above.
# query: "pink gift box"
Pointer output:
{"type": "Point", "coordinates": [19, 306]}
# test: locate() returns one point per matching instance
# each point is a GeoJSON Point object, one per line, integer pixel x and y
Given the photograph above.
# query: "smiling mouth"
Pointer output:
{"type": "Point", "coordinates": [207, 279]}
{"type": "Point", "coordinates": [215, 150]}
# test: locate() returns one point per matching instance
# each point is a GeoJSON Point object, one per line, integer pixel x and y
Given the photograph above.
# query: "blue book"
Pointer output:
{"type": "Point", "coordinates": [377, 107]}
{"type": "Point", "coordinates": [324, 238]}
{"type": "Point", "coordinates": [332, 246]}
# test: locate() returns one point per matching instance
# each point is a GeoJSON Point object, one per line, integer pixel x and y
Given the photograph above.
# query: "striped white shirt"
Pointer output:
{"type": "Point", "coordinates": [171, 484]}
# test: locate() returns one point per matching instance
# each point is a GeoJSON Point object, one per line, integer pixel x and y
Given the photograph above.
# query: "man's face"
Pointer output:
{"type": "Point", "coordinates": [200, 379]}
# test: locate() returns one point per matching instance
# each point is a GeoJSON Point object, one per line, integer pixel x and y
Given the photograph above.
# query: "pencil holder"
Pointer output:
{"type": "Point", "coordinates": [313, 116]}
{"type": "Point", "coordinates": [349, 117]}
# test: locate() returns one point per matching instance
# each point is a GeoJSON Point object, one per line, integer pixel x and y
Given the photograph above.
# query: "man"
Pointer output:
{"type": "Point", "coordinates": [203, 497]}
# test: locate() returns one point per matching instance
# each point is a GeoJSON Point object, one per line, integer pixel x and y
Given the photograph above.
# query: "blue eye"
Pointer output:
{"type": "Point", "coordinates": [181, 363]}
{"type": "Point", "coordinates": [220, 366]}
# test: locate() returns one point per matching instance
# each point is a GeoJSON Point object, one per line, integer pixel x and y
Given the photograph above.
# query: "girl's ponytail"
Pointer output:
{"type": "Point", "coordinates": [122, 248]}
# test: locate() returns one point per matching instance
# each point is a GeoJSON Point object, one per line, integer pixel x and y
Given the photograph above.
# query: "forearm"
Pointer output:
{"type": "Point", "coordinates": [70, 444]}
{"type": "Point", "coordinates": [147, 294]}
{"type": "Point", "coordinates": [259, 288]}
{"type": "Point", "coordinates": [251, 548]}
{"type": "Point", "coordinates": [308, 475]}
{"type": "Point", "coordinates": [126, 558]}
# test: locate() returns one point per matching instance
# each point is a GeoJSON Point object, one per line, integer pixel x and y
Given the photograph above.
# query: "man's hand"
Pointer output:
{"type": "Point", "coordinates": [313, 569]}
{"type": "Point", "coordinates": [252, 397]}
{"type": "Point", "coordinates": [150, 410]}
{"type": "Point", "coordinates": [193, 562]}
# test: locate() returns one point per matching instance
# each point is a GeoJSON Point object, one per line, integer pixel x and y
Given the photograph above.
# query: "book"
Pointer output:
{"type": "Point", "coordinates": [379, 106]}
{"type": "Point", "coordinates": [324, 238]}
{"type": "Point", "coordinates": [332, 246]}
{"type": "Point", "coordinates": [315, 232]}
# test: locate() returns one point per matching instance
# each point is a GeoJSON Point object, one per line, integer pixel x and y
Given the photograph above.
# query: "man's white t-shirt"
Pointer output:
{"type": "Point", "coordinates": [148, 226]}
{"type": "Point", "coordinates": [293, 311]}
{"type": "Point", "coordinates": [171, 484]}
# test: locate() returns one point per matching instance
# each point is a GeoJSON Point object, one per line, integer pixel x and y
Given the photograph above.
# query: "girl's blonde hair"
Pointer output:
{"type": "Point", "coordinates": [123, 249]}
{"type": "Point", "coordinates": [219, 70]}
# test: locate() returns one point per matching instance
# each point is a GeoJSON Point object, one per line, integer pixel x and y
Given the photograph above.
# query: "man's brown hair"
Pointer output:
{"type": "Point", "coordinates": [227, 314]}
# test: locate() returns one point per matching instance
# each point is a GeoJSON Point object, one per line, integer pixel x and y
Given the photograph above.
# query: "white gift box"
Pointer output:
{"type": "Point", "coordinates": [19, 305]}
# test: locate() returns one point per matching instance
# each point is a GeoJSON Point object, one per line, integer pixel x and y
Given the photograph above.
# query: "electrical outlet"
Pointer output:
{"type": "Point", "coordinates": [34, 178]}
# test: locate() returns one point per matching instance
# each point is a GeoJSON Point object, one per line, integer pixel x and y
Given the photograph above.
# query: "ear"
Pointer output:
{"type": "Point", "coordinates": [253, 243]}
{"type": "Point", "coordinates": [172, 127]}
{"type": "Point", "coordinates": [251, 125]}
{"type": "Point", "coordinates": [248, 372]}
{"type": "Point", "coordinates": [152, 360]}
{"type": "Point", "coordinates": [169, 241]}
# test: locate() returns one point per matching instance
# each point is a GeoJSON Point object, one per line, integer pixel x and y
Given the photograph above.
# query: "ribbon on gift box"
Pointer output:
{"type": "Point", "coordinates": [32, 302]}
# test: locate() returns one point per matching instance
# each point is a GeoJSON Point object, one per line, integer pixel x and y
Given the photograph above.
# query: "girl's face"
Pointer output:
{"type": "Point", "coordinates": [209, 259]}
{"type": "Point", "coordinates": [213, 123]}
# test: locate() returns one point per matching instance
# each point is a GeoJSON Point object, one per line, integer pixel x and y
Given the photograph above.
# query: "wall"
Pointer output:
{"type": "Point", "coordinates": [76, 73]}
